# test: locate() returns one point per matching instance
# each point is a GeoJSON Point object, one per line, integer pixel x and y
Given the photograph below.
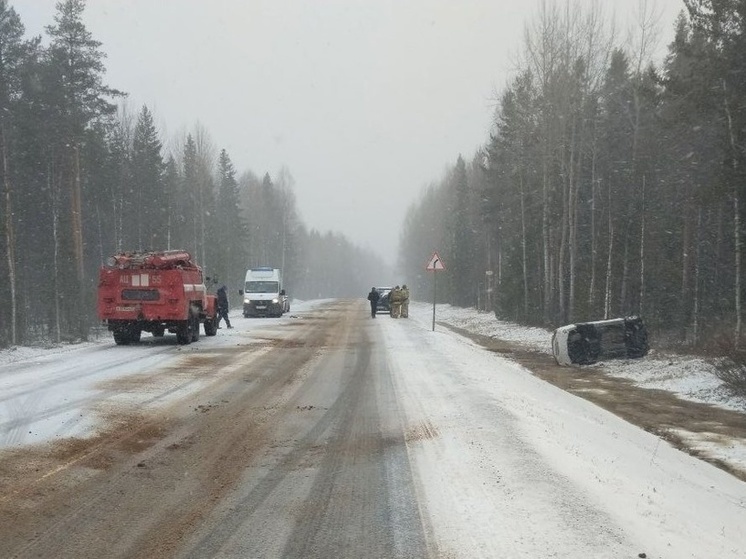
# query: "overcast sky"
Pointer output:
{"type": "Point", "coordinates": [365, 101]}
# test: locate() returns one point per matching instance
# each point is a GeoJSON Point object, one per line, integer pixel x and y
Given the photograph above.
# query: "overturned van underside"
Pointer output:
{"type": "Point", "coordinates": [586, 343]}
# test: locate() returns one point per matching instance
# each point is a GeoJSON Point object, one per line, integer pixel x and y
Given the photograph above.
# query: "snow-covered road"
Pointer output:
{"type": "Point", "coordinates": [498, 450]}
{"type": "Point", "coordinates": [467, 453]}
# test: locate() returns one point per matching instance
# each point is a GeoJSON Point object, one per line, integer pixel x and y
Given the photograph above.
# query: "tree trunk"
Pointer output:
{"type": "Point", "coordinates": [564, 234]}
{"type": "Point", "coordinates": [696, 303]}
{"type": "Point", "coordinates": [685, 265]}
{"type": "Point", "coordinates": [737, 265]}
{"type": "Point", "coordinates": [545, 231]}
{"type": "Point", "coordinates": [53, 189]}
{"type": "Point", "coordinates": [736, 220]}
{"type": "Point", "coordinates": [523, 248]}
{"type": "Point", "coordinates": [575, 191]}
{"type": "Point", "coordinates": [77, 233]}
{"type": "Point", "coordinates": [10, 240]}
{"type": "Point", "coordinates": [641, 305]}
{"type": "Point", "coordinates": [607, 296]}
{"type": "Point", "coordinates": [594, 242]}
{"type": "Point", "coordinates": [623, 302]}
{"type": "Point", "coordinates": [202, 232]}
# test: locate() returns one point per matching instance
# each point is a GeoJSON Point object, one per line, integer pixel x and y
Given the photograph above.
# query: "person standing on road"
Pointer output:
{"type": "Point", "coordinates": [395, 301]}
{"type": "Point", "coordinates": [373, 297]}
{"type": "Point", "coordinates": [223, 307]}
{"type": "Point", "coordinates": [404, 301]}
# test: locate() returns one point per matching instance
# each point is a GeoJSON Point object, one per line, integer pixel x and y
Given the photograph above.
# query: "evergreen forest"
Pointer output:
{"type": "Point", "coordinates": [611, 184]}
{"type": "Point", "coordinates": [83, 178]}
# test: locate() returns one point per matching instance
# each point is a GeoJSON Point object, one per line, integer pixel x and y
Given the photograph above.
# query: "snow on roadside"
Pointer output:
{"type": "Point", "coordinates": [485, 323]}
{"type": "Point", "coordinates": [101, 336]}
{"type": "Point", "coordinates": [689, 377]}
{"type": "Point", "coordinates": [24, 353]}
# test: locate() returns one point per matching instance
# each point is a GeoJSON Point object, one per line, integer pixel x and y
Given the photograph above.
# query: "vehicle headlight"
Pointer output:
{"type": "Point", "coordinates": [275, 301]}
{"type": "Point", "coordinates": [246, 301]}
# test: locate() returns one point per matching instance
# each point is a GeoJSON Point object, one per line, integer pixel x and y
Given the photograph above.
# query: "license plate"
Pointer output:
{"type": "Point", "coordinates": [261, 307]}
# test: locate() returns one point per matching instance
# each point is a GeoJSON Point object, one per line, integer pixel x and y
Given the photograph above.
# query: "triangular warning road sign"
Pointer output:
{"type": "Point", "coordinates": [435, 263]}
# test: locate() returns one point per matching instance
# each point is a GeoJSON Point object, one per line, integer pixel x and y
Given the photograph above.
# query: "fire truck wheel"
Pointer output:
{"type": "Point", "coordinates": [127, 336]}
{"type": "Point", "coordinates": [122, 337]}
{"type": "Point", "coordinates": [194, 320]}
{"type": "Point", "coordinates": [183, 332]}
{"type": "Point", "coordinates": [211, 326]}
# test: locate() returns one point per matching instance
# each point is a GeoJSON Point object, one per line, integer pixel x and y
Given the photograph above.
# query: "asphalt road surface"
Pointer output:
{"type": "Point", "coordinates": [300, 437]}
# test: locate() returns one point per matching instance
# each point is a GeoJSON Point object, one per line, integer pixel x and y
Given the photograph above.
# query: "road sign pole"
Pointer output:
{"type": "Point", "coordinates": [434, 292]}
{"type": "Point", "coordinates": [433, 266]}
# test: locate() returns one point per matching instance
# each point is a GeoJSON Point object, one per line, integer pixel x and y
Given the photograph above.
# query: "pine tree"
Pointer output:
{"type": "Point", "coordinates": [78, 97]}
{"type": "Point", "coordinates": [188, 226]}
{"type": "Point", "coordinates": [720, 24]}
{"type": "Point", "coordinates": [460, 252]}
{"type": "Point", "coordinates": [171, 186]}
{"type": "Point", "coordinates": [510, 202]}
{"type": "Point", "coordinates": [229, 263]}
{"type": "Point", "coordinates": [149, 200]}
{"type": "Point", "coordinates": [14, 52]}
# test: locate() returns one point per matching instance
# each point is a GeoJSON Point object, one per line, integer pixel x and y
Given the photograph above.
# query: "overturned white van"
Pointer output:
{"type": "Point", "coordinates": [586, 343]}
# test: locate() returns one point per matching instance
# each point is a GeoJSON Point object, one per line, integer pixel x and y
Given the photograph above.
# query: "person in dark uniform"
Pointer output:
{"type": "Point", "coordinates": [373, 297]}
{"type": "Point", "coordinates": [223, 307]}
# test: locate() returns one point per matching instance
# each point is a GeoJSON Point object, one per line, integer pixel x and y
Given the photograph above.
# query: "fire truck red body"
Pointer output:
{"type": "Point", "coordinates": [155, 292]}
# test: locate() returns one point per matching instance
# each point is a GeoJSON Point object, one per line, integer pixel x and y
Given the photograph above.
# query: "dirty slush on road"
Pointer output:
{"type": "Point", "coordinates": [141, 485]}
{"type": "Point", "coordinates": [284, 451]}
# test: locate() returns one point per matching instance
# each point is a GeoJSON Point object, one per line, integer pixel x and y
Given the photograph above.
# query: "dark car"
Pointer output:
{"type": "Point", "coordinates": [383, 299]}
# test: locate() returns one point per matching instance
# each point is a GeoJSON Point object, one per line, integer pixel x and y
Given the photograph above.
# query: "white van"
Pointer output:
{"type": "Point", "coordinates": [263, 294]}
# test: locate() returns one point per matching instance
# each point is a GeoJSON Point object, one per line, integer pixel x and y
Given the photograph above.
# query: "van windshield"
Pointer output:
{"type": "Point", "coordinates": [262, 287]}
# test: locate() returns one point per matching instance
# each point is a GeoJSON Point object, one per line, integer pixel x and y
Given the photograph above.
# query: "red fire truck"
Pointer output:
{"type": "Point", "coordinates": [155, 292]}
